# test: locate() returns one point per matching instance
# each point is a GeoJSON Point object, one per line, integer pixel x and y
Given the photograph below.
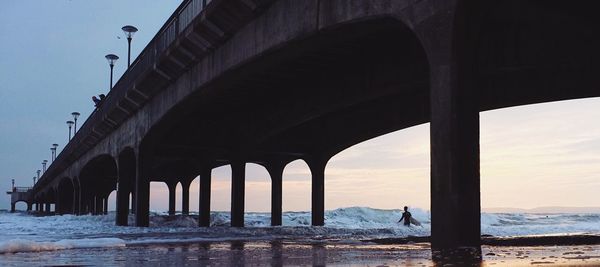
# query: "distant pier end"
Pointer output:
{"type": "Point", "coordinates": [18, 194]}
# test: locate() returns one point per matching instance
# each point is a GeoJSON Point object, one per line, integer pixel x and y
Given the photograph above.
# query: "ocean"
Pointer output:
{"type": "Point", "coordinates": [24, 233]}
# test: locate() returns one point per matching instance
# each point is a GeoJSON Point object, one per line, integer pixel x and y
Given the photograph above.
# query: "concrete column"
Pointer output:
{"type": "Point", "coordinates": [76, 196]}
{"type": "Point", "coordinates": [133, 201]}
{"type": "Point", "coordinates": [455, 197]}
{"type": "Point", "coordinates": [185, 197]}
{"type": "Point", "coordinates": [105, 206]}
{"type": "Point", "coordinates": [142, 191]}
{"type": "Point", "coordinates": [317, 169]}
{"type": "Point", "coordinates": [99, 206]}
{"type": "Point", "coordinates": [122, 208]}
{"type": "Point", "coordinates": [57, 206]}
{"type": "Point", "coordinates": [275, 170]}
{"type": "Point", "coordinates": [37, 207]}
{"type": "Point", "coordinates": [172, 188]}
{"type": "Point", "coordinates": [238, 179]}
{"type": "Point", "coordinates": [13, 207]}
{"type": "Point", "coordinates": [29, 205]}
{"type": "Point", "coordinates": [48, 207]}
{"type": "Point", "coordinates": [204, 205]}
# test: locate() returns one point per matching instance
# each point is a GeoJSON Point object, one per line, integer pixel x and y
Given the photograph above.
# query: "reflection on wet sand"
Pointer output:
{"type": "Point", "coordinates": [309, 253]}
{"type": "Point", "coordinates": [468, 256]}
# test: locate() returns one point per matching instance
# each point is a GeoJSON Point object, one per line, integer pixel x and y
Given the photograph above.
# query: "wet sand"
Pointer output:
{"type": "Point", "coordinates": [284, 253]}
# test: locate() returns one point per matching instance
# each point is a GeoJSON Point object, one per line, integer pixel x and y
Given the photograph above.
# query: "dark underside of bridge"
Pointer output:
{"type": "Point", "coordinates": [315, 96]}
{"type": "Point", "coordinates": [320, 95]}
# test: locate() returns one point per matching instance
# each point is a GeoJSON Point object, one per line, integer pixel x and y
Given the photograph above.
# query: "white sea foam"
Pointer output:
{"type": "Point", "coordinates": [23, 245]}
{"type": "Point", "coordinates": [23, 232]}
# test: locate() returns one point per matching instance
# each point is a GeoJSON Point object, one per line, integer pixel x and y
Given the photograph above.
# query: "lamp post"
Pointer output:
{"type": "Point", "coordinates": [112, 58]}
{"type": "Point", "coordinates": [38, 173]}
{"type": "Point", "coordinates": [70, 124]}
{"type": "Point", "coordinates": [44, 162]}
{"type": "Point", "coordinates": [129, 32]}
{"type": "Point", "coordinates": [34, 178]}
{"type": "Point", "coordinates": [54, 146]}
{"type": "Point", "coordinates": [75, 116]}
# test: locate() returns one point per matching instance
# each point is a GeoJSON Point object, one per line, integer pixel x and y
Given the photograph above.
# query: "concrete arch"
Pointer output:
{"type": "Point", "coordinates": [97, 179]}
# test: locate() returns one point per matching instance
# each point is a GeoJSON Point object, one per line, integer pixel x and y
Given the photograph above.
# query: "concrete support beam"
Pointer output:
{"type": "Point", "coordinates": [455, 196]}
{"type": "Point", "coordinates": [238, 179]}
{"type": "Point", "coordinates": [133, 200]}
{"type": "Point", "coordinates": [13, 207]}
{"type": "Point", "coordinates": [275, 170]}
{"type": "Point", "coordinates": [204, 205]}
{"type": "Point", "coordinates": [122, 199]}
{"type": "Point", "coordinates": [185, 197]}
{"type": "Point", "coordinates": [99, 209]}
{"type": "Point", "coordinates": [317, 169]}
{"type": "Point", "coordinates": [48, 207]}
{"type": "Point", "coordinates": [142, 191]}
{"type": "Point", "coordinates": [29, 206]}
{"type": "Point", "coordinates": [172, 188]}
{"type": "Point", "coordinates": [76, 195]}
{"type": "Point", "coordinates": [105, 205]}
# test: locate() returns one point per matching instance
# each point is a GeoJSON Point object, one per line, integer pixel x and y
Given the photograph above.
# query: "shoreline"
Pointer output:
{"type": "Point", "coordinates": [488, 240]}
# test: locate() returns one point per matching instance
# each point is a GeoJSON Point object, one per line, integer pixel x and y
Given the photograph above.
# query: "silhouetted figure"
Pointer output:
{"type": "Point", "coordinates": [96, 101]}
{"type": "Point", "coordinates": [406, 216]}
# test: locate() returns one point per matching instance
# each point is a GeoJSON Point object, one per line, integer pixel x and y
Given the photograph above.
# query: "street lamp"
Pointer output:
{"type": "Point", "coordinates": [38, 173]}
{"type": "Point", "coordinates": [129, 32]}
{"type": "Point", "coordinates": [53, 148]}
{"type": "Point", "coordinates": [75, 116]}
{"type": "Point", "coordinates": [44, 162]}
{"type": "Point", "coordinates": [34, 178]}
{"type": "Point", "coordinates": [70, 124]}
{"type": "Point", "coordinates": [112, 58]}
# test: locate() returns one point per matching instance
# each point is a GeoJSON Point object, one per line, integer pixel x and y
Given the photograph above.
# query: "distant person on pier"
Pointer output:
{"type": "Point", "coordinates": [96, 101]}
{"type": "Point", "coordinates": [406, 216]}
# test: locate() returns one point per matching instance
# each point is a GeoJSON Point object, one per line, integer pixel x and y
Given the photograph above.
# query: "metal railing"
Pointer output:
{"type": "Point", "coordinates": [20, 189]}
{"type": "Point", "coordinates": [181, 18]}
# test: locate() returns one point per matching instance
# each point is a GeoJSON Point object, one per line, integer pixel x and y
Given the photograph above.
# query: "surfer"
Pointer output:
{"type": "Point", "coordinates": [406, 216]}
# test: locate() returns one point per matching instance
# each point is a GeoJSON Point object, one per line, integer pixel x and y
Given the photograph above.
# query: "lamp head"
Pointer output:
{"type": "Point", "coordinates": [55, 145]}
{"type": "Point", "coordinates": [75, 115]}
{"type": "Point", "coordinates": [129, 31]}
{"type": "Point", "coordinates": [112, 58]}
{"type": "Point", "coordinates": [70, 123]}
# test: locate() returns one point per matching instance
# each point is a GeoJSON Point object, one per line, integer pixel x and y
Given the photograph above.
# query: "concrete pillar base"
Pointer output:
{"type": "Point", "coordinates": [238, 179]}
{"type": "Point", "coordinates": [204, 205]}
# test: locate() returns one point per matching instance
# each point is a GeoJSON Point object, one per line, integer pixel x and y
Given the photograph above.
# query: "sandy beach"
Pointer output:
{"type": "Point", "coordinates": [291, 253]}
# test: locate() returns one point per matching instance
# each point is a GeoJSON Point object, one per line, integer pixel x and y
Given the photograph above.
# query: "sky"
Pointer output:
{"type": "Point", "coordinates": [52, 62]}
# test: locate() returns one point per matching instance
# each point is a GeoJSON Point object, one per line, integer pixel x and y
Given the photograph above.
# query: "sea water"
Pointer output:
{"type": "Point", "coordinates": [23, 232]}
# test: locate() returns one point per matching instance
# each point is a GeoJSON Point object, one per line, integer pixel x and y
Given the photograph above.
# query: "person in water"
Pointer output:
{"type": "Point", "coordinates": [406, 216]}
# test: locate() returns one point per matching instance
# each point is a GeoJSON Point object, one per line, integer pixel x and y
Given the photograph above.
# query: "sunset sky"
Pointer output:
{"type": "Point", "coordinates": [52, 62]}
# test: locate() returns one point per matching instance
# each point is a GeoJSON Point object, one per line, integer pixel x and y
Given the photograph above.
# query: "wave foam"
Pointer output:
{"type": "Point", "coordinates": [22, 245]}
